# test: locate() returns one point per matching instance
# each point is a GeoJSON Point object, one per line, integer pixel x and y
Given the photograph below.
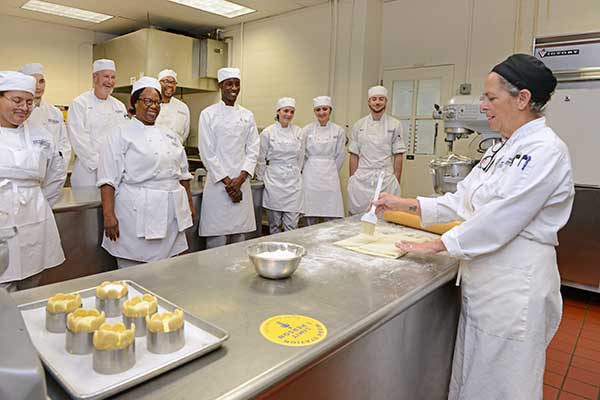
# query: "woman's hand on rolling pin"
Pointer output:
{"type": "Point", "coordinates": [432, 247]}
{"type": "Point", "coordinates": [111, 227]}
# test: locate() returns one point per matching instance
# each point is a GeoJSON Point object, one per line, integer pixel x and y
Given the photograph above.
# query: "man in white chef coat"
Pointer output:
{"type": "Point", "coordinates": [174, 113]}
{"type": "Point", "coordinates": [377, 144]}
{"type": "Point", "coordinates": [46, 114]}
{"type": "Point", "coordinates": [228, 144]}
{"type": "Point", "coordinates": [90, 118]}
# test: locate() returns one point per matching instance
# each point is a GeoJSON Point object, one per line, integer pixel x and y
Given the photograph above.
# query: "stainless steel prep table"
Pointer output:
{"type": "Point", "coordinates": [80, 224]}
{"type": "Point", "coordinates": [391, 323]}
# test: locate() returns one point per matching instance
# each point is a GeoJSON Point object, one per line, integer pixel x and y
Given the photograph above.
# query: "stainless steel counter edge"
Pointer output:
{"type": "Point", "coordinates": [280, 372]}
{"type": "Point", "coordinates": [353, 294]}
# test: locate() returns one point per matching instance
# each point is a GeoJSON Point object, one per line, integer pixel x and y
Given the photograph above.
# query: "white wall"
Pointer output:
{"type": "Point", "coordinates": [431, 32]}
{"type": "Point", "coordinates": [287, 55]}
{"type": "Point", "coordinates": [65, 52]}
{"type": "Point", "coordinates": [557, 17]}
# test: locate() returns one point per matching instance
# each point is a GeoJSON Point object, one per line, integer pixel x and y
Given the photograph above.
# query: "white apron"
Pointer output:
{"type": "Point", "coordinates": [153, 217]}
{"type": "Point", "coordinates": [375, 155]}
{"type": "Point", "coordinates": [511, 308]}
{"type": "Point", "coordinates": [98, 123]}
{"type": "Point", "coordinates": [22, 204]}
{"type": "Point", "coordinates": [322, 193]}
{"type": "Point", "coordinates": [234, 132]}
{"type": "Point", "coordinates": [282, 177]}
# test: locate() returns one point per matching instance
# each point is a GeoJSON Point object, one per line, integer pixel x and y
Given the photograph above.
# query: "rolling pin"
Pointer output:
{"type": "Point", "coordinates": [414, 221]}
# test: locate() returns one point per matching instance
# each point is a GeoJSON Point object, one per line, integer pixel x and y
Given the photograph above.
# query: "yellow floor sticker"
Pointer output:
{"type": "Point", "coordinates": [293, 330]}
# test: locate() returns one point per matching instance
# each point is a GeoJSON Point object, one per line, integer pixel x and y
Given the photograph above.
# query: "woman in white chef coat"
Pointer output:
{"type": "Point", "coordinates": [145, 184]}
{"type": "Point", "coordinates": [325, 155]}
{"type": "Point", "coordinates": [31, 176]}
{"type": "Point", "coordinates": [280, 160]}
{"type": "Point", "coordinates": [512, 204]}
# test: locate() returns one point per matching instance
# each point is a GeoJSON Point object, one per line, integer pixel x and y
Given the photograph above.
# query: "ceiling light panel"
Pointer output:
{"type": "Point", "coordinates": [64, 11]}
{"type": "Point", "coordinates": [220, 7]}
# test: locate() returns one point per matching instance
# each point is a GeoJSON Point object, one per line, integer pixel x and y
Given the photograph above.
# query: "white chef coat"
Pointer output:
{"type": "Point", "coordinates": [175, 115]}
{"type": "Point", "coordinates": [280, 161]}
{"type": "Point", "coordinates": [145, 164]}
{"type": "Point", "coordinates": [325, 155]}
{"type": "Point", "coordinates": [51, 118]}
{"type": "Point", "coordinates": [228, 145]}
{"type": "Point", "coordinates": [513, 204]}
{"type": "Point", "coordinates": [375, 143]}
{"type": "Point", "coordinates": [31, 176]}
{"type": "Point", "coordinates": [90, 119]}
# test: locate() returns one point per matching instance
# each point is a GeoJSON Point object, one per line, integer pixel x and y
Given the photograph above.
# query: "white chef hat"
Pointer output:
{"type": "Point", "coordinates": [377, 91]}
{"type": "Point", "coordinates": [285, 102]}
{"type": "Point", "coordinates": [322, 101]}
{"type": "Point", "coordinates": [227, 73]}
{"type": "Point", "coordinates": [13, 80]}
{"type": "Point", "coordinates": [33, 68]}
{"type": "Point", "coordinates": [102, 64]}
{"type": "Point", "coordinates": [144, 82]}
{"type": "Point", "coordinates": [167, 72]}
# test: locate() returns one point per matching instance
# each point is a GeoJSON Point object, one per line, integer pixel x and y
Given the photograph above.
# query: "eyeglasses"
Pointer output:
{"type": "Point", "coordinates": [486, 162]}
{"type": "Point", "coordinates": [149, 102]}
{"type": "Point", "coordinates": [20, 102]}
{"type": "Point", "coordinates": [169, 82]}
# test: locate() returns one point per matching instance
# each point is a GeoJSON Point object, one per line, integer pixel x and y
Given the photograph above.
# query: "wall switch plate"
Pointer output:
{"type": "Point", "coordinates": [464, 88]}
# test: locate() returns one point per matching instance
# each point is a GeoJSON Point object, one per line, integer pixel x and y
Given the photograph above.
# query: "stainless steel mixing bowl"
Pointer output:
{"type": "Point", "coordinates": [272, 268]}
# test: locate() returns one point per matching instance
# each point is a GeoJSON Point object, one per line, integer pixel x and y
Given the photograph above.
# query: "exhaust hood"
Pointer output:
{"type": "Point", "coordinates": [147, 51]}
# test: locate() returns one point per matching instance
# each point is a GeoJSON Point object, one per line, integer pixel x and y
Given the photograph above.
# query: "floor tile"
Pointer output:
{"type": "Point", "coordinates": [570, 396]}
{"type": "Point", "coordinates": [557, 355]}
{"type": "Point", "coordinates": [563, 346]}
{"type": "Point", "coordinates": [582, 375]}
{"type": "Point", "coordinates": [556, 380]}
{"type": "Point", "coordinates": [593, 315]}
{"type": "Point", "coordinates": [570, 324]}
{"type": "Point", "coordinates": [589, 343]}
{"type": "Point", "coordinates": [590, 334]}
{"type": "Point", "coordinates": [574, 330]}
{"type": "Point", "coordinates": [557, 367]}
{"type": "Point", "coordinates": [584, 363]}
{"type": "Point", "coordinates": [587, 353]}
{"type": "Point", "coordinates": [594, 307]}
{"type": "Point", "coordinates": [550, 393]}
{"type": "Point", "coordinates": [575, 303]}
{"type": "Point", "coordinates": [575, 312]}
{"type": "Point", "coordinates": [581, 389]}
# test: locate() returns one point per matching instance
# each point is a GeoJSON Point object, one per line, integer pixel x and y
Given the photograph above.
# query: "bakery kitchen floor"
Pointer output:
{"type": "Point", "coordinates": [573, 357]}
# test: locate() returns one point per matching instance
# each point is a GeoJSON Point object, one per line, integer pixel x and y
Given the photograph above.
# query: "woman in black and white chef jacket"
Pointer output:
{"type": "Point", "coordinates": [512, 204]}
{"type": "Point", "coordinates": [145, 184]}
{"type": "Point", "coordinates": [325, 155]}
{"type": "Point", "coordinates": [279, 165]}
{"type": "Point", "coordinates": [32, 174]}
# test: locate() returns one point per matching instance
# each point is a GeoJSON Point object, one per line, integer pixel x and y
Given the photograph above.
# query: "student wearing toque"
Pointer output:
{"type": "Point", "coordinates": [145, 184]}
{"type": "Point", "coordinates": [174, 113]}
{"type": "Point", "coordinates": [92, 116]}
{"type": "Point", "coordinates": [325, 155]}
{"type": "Point", "coordinates": [512, 203]}
{"type": "Point", "coordinates": [280, 162]}
{"type": "Point", "coordinates": [376, 144]}
{"type": "Point", "coordinates": [228, 145]}
{"type": "Point", "coordinates": [32, 173]}
{"type": "Point", "coordinates": [46, 114]}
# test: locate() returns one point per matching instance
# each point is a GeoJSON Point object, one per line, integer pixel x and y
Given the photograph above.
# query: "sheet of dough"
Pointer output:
{"type": "Point", "coordinates": [379, 245]}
